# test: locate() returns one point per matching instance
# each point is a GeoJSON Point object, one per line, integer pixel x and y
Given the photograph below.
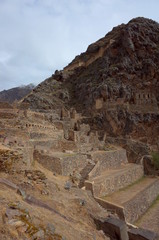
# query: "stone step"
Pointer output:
{"type": "Point", "coordinates": [107, 160]}
{"type": "Point", "coordinates": [112, 180]}
{"type": "Point", "coordinates": [85, 172]}
{"type": "Point", "coordinates": [60, 162]}
{"type": "Point", "coordinates": [136, 198]}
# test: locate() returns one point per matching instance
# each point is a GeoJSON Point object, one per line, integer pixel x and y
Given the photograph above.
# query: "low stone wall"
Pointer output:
{"type": "Point", "coordinates": [84, 147]}
{"type": "Point", "coordinates": [133, 209]}
{"type": "Point", "coordinates": [44, 144]}
{"type": "Point", "coordinates": [115, 209]}
{"type": "Point", "coordinates": [7, 115]}
{"type": "Point", "coordinates": [106, 160]}
{"type": "Point", "coordinates": [38, 135]}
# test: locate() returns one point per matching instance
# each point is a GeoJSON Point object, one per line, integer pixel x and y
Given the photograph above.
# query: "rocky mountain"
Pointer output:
{"type": "Point", "coordinates": [16, 93]}
{"type": "Point", "coordinates": [114, 83]}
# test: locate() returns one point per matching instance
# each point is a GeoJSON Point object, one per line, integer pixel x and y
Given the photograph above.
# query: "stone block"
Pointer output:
{"type": "Point", "coordinates": [142, 234]}
{"type": "Point", "coordinates": [113, 227]}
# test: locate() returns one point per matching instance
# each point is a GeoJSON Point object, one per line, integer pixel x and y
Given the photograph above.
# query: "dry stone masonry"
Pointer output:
{"type": "Point", "coordinates": [66, 146]}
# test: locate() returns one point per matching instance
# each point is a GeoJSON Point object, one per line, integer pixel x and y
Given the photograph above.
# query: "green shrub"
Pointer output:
{"type": "Point", "coordinates": [155, 157]}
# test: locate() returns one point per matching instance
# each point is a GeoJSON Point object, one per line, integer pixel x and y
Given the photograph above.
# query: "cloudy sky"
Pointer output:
{"type": "Point", "coordinates": [39, 36]}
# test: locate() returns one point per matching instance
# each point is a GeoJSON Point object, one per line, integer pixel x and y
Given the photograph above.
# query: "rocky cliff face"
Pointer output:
{"type": "Point", "coordinates": [115, 81]}
{"type": "Point", "coordinates": [16, 93]}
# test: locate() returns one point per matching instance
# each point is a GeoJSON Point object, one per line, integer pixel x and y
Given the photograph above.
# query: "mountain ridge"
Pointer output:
{"type": "Point", "coordinates": [115, 83]}
{"type": "Point", "coordinates": [16, 93]}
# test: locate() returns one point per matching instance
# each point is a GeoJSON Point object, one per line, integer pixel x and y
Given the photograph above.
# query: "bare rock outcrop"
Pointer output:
{"type": "Point", "coordinates": [115, 82]}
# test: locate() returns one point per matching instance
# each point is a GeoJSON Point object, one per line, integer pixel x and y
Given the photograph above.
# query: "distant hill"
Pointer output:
{"type": "Point", "coordinates": [16, 93]}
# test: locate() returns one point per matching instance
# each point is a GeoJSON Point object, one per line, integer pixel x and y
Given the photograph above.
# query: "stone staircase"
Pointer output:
{"type": "Point", "coordinates": [114, 179]}
{"type": "Point", "coordinates": [121, 186]}
{"type": "Point", "coordinates": [85, 173]}
{"type": "Point", "coordinates": [136, 198]}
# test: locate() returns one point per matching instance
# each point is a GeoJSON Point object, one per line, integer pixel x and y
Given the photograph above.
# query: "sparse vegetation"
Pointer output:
{"type": "Point", "coordinates": [155, 158]}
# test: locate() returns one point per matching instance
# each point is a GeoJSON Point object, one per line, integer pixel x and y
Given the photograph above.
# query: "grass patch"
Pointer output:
{"type": "Point", "coordinates": [156, 201]}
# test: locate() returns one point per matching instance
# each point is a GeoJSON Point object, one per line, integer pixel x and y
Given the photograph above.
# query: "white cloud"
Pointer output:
{"type": "Point", "coordinates": [39, 36]}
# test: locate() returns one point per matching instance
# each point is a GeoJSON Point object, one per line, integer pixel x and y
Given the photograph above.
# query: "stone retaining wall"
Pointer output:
{"type": "Point", "coordinates": [51, 163]}
{"type": "Point", "coordinates": [145, 198]}
{"type": "Point", "coordinates": [115, 209]}
{"type": "Point", "coordinates": [64, 164]}
{"type": "Point", "coordinates": [106, 160]}
{"type": "Point", "coordinates": [108, 184]}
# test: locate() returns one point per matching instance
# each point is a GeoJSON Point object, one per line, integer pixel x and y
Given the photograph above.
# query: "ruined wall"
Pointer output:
{"type": "Point", "coordinates": [142, 101]}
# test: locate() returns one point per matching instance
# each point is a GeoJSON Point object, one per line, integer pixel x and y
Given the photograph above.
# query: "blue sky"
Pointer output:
{"type": "Point", "coordinates": [39, 36]}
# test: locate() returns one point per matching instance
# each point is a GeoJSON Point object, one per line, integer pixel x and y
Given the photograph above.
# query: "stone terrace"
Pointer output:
{"type": "Point", "coordinates": [62, 144]}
